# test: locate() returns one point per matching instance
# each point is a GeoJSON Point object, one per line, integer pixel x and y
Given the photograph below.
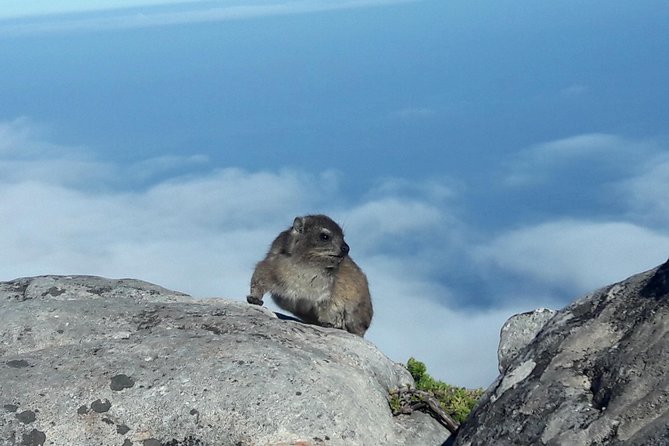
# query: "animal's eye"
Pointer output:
{"type": "Point", "coordinates": [324, 236]}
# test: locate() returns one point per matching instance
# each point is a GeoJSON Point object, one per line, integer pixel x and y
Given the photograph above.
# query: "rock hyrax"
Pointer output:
{"type": "Point", "coordinates": [308, 272]}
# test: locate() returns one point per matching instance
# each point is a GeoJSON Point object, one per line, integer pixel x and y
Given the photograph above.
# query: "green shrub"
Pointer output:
{"type": "Point", "coordinates": [456, 401]}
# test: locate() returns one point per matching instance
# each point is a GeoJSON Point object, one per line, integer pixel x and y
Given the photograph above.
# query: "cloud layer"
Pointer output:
{"type": "Point", "coordinates": [61, 213]}
{"type": "Point", "coordinates": [186, 225]}
{"type": "Point", "coordinates": [576, 254]}
{"type": "Point", "coordinates": [77, 16]}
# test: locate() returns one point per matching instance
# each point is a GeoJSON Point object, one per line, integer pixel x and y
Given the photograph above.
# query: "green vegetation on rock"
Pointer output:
{"type": "Point", "coordinates": [456, 401]}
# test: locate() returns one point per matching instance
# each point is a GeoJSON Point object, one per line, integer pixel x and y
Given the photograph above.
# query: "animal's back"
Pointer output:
{"type": "Point", "coordinates": [351, 290]}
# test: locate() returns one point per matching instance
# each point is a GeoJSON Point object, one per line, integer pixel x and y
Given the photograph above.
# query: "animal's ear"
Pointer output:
{"type": "Point", "coordinates": [298, 224]}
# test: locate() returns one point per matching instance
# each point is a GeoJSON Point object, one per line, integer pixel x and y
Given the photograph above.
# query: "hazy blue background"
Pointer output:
{"type": "Point", "coordinates": [484, 158]}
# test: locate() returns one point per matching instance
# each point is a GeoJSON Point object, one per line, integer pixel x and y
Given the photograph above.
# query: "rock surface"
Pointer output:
{"type": "Point", "coordinates": [597, 373]}
{"type": "Point", "coordinates": [92, 361]}
{"type": "Point", "coordinates": [519, 331]}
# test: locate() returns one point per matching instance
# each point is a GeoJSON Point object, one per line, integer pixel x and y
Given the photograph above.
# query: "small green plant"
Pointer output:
{"type": "Point", "coordinates": [456, 401]}
{"type": "Point", "coordinates": [395, 403]}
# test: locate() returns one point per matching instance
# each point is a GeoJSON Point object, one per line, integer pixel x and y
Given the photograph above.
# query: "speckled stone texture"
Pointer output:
{"type": "Point", "coordinates": [92, 361]}
{"type": "Point", "coordinates": [597, 373]}
{"type": "Point", "coordinates": [519, 331]}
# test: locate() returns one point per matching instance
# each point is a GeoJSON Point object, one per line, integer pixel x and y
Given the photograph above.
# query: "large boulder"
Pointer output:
{"type": "Point", "coordinates": [92, 361]}
{"type": "Point", "coordinates": [597, 373]}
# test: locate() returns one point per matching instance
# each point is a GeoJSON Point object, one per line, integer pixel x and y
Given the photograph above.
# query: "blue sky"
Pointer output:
{"type": "Point", "coordinates": [484, 158]}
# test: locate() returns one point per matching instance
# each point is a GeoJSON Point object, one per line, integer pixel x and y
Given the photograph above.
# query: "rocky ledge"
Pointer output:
{"type": "Point", "coordinates": [93, 361]}
{"type": "Point", "coordinates": [594, 373]}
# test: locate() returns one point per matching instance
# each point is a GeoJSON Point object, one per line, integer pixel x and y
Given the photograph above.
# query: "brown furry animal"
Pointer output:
{"type": "Point", "coordinates": [308, 272]}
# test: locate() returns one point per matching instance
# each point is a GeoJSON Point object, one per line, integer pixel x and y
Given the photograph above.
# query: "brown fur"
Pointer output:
{"type": "Point", "coordinates": [308, 272]}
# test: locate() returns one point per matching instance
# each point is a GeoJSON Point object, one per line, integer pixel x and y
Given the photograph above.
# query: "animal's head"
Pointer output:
{"type": "Point", "coordinates": [318, 239]}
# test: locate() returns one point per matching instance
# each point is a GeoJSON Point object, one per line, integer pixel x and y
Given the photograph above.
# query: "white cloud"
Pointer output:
{"type": "Point", "coordinates": [576, 255]}
{"type": "Point", "coordinates": [22, 141]}
{"type": "Point", "coordinates": [202, 234]}
{"type": "Point", "coordinates": [199, 12]}
{"type": "Point", "coordinates": [436, 190]}
{"type": "Point", "coordinates": [64, 212]}
{"type": "Point", "coordinates": [188, 234]}
{"type": "Point", "coordinates": [57, 171]}
{"type": "Point", "coordinates": [22, 8]}
{"type": "Point", "coordinates": [151, 167]}
{"type": "Point", "coordinates": [60, 214]}
{"type": "Point", "coordinates": [386, 220]}
{"type": "Point", "coordinates": [576, 147]}
{"type": "Point", "coordinates": [13, 134]}
{"type": "Point", "coordinates": [22, 138]}
{"type": "Point", "coordinates": [593, 154]}
{"type": "Point", "coordinates": [629, 175]}
{"type": "Point", "coordinates": [646, 193]}
{"type": "Point", "coordinates": [458, 347]}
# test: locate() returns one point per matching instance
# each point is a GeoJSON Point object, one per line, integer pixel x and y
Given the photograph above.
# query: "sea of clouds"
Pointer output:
{"type": "Point", "coordinates": [188, 225]}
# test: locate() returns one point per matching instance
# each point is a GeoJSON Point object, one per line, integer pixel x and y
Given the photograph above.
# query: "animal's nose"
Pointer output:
{"type": "Point", "coordinates": [345, 248]}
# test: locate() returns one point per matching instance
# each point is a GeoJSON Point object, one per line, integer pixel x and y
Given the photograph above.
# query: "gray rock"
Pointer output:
{"type": "Point", "coordinates": [92, 361]}
{"type": "Point", "coordinates": [518, 332]}
{"type": "Point", "coordinates": [596, 374]}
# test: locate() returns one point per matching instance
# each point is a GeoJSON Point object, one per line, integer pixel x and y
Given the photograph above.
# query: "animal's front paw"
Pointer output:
{"type": "Point", "coordinates": [254, 300]}
{"type": "Point", "coordinates": [331, 323]}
